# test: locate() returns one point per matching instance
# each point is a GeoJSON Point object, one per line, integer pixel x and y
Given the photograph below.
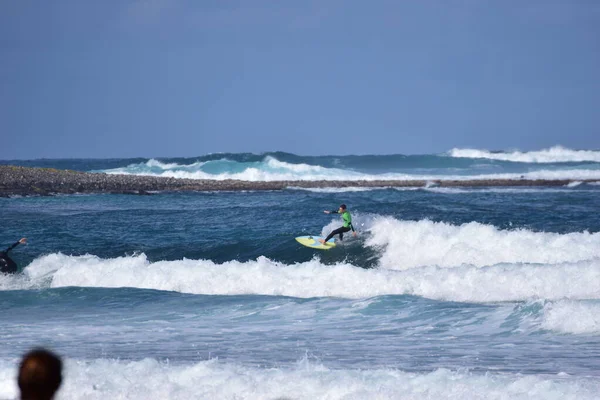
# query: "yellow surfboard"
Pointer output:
{"type": "Point", "coordinates": [313, 242]}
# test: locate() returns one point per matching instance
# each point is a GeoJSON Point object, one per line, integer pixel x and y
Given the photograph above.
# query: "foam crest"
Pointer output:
{"type": "Point", "coordinates": [158, 164]}
{"type": "Point", "coordinates": [504, 282]}
{"type": "Point", "coordinates": [554, 154]}
{"type": "Point", "coordinates": [410, 244]}
{"type": "Point", "coordinates": [154, 167]}
{"type": "Point", "coordinates": [568, 316]}
{"type": "Point", "coordinates": [148, 378]}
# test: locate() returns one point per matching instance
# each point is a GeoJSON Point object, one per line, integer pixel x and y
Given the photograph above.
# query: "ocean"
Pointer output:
{"type": "Point", "coordinates": [446, 293]}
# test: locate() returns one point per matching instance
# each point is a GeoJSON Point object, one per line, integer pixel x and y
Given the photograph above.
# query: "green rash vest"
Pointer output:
{"type": "Point", "coordinates": [347, 219]}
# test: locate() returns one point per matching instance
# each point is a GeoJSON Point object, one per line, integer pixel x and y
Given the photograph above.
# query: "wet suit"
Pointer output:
{"type": "Point", "coordinates": [344, 228]}
{"type": "Point", "coordinates": [7, 265]}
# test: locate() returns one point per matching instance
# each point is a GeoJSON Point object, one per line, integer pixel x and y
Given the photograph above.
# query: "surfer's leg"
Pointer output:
{"type": "Point", "coordinates": [332, 234]}
{"type": "Point", "coordinates": [342, 230]}
{"type": "Point", "coordinates": [7, 265]}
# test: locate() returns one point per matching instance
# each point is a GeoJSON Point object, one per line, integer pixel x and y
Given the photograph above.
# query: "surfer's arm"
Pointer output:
{"type": "Point", "coordinates": [12, 246]}
{"type": "Point", "coordinates": [331, 212]}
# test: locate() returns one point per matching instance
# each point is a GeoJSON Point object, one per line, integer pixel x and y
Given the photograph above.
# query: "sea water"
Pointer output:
{"type": "Point", "coordinates": [446, 293]}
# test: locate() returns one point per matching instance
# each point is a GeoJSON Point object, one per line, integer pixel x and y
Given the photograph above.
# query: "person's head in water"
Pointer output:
{"type": "Point", "coordinates": [40, 375]}
{"type": "Point", "coordinates": [342, 208]}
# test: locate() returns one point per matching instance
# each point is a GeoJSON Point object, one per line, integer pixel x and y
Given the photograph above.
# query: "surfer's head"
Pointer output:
{"type": "Point", "coordinates": [343, 207]}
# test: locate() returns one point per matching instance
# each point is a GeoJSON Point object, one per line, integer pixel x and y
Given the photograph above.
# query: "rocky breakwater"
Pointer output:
{"type": "Point", "coordinates": [25, 181]}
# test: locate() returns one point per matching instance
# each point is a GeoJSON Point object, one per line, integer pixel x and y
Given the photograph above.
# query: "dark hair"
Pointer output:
{"type": "Point", "coordinates": [343, 206]}
{"type": "Point", "coordinates": [40, 374]}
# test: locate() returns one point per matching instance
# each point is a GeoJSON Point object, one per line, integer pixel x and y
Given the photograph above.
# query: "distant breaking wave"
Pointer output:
{"type": "Point", "coordinates": [556, 154]}
{"type": "Point", "coordinates": [270, 168]}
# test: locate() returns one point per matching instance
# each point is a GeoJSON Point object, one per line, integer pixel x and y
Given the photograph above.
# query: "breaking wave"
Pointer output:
{"type": "Point", "coordinates": [502, 282]}
{"type": "Point", "coordinates": [556, 154]}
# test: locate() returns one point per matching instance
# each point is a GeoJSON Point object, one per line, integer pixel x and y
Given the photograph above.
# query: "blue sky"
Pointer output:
{"type": "Point", "coordinates": [154, 78]}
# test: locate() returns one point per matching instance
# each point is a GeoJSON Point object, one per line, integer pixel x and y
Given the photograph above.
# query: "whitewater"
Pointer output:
{"type": "Point", "coordinates": [446, 293]}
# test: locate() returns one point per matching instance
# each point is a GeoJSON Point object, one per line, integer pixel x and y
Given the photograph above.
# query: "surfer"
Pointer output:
{"type": "Point", "coordinates": [7, 265]}
{"type": "Point", "coordinates": [347, 225]}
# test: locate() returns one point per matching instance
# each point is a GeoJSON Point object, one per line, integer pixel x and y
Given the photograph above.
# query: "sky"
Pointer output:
{"type": "Point", "coordinates": [182, 78]}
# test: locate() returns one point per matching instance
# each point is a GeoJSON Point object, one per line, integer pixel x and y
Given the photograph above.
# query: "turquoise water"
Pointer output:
{"type": "Point", "coordinates": [445, 293]}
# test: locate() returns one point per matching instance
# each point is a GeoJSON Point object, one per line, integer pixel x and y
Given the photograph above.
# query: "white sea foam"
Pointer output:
{"type": "Point", "coordinates": [410, 244]}
{"type": "Point", "coordinates": [568, 316]}
{"type": "Point", "coordinates": [502, 282]}
{"type": "Point", "coordinates": [259, 175]}
{"type": "Point", "coordinates": [153, 167]}
{"type": "Point", "coordinates": [574, 184]}
{"type": "Point", "coordinates": [158, 164]}
{"type": "Point", "coordinates": [552, 155]}
{"type": "Point", "coordinates": [213, 379]}
{"type": "Point", "coordinates": [446, 190]}
{"type": "Point", "coordinates": [337, 189]}
{"type": "Point", "coordinates": [523, 190]}
{"type": "Point", "coordinates": [500, 190]}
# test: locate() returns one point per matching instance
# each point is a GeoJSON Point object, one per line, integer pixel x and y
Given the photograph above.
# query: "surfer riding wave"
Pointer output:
{"type": "Point", "coordinates": [346, 226]}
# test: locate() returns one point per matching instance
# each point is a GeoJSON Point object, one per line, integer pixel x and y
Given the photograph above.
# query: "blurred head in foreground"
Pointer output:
{"type": "Point", "coordinates": [40, 375]}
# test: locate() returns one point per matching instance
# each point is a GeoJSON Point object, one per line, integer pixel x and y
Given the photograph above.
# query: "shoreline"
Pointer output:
{"type": "Point", "coordinates": [30, 181]}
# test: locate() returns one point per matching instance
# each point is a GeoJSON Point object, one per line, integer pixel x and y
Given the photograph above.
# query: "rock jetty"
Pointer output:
{"type": "Point", "coordinates": [26, 181]}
